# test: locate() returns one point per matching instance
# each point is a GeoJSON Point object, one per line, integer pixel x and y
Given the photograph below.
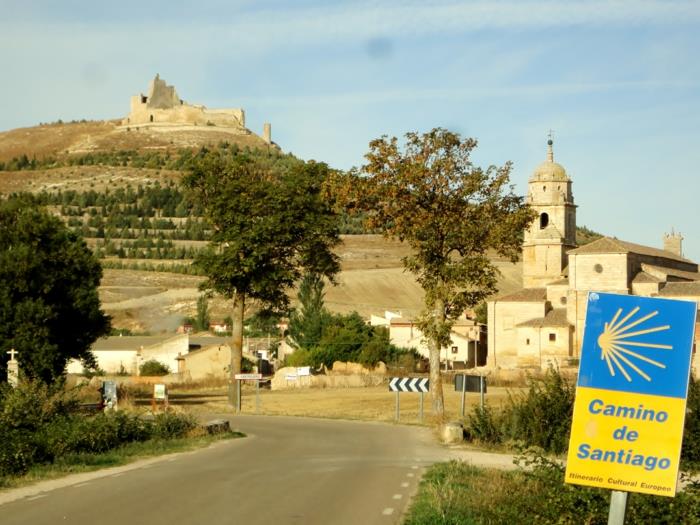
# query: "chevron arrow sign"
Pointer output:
{"type": "Point", "coordinates": [409, 384]}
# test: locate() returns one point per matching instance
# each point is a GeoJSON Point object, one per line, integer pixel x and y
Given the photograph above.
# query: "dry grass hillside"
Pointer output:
{"type": "Point", "coordinates": [60, 139]}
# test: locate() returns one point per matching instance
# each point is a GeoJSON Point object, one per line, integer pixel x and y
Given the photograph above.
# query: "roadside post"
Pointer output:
{"type": "Point", "coordinates": [629, 411]}
{"type": "Point", "coordinates": [108, 392]}
{"type": "Point", "coordinates": [248, 377]}
{"type": "Point", "coordinates": [468, 383]}
{"type": "Point", "coordinates": [160, 393]}
{"type": "Point", "coordinates": [408, 384]}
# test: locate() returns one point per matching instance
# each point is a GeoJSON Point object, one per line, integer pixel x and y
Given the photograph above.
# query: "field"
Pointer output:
{"type": "Point", "coordinates": [366, 404]}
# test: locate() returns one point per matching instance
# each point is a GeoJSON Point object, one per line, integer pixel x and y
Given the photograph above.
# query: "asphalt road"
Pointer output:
{"type": "Point", "coordinates": [287, 471]}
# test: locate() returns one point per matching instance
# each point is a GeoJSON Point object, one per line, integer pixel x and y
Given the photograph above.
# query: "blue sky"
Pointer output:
{"type": "Point", "coordinates": [618, 81]}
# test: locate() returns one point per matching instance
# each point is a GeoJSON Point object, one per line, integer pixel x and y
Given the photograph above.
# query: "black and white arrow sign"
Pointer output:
{"type": "Point", "coordinates": [409, 384]}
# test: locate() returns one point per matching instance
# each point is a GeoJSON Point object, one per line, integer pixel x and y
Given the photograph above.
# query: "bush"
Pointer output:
{"type": "Point", "coordinates": [154, 368]}
{"type": "Point", "coordinates": [39, 424]}
{"type": "Point", "coordinates": [690, 453]}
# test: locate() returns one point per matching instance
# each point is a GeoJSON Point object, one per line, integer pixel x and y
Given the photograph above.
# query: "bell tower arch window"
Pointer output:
{"type": "Point", "coordinates": [544, 221]}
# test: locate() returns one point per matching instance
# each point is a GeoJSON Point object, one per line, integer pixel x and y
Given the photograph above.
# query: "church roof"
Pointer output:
{"type": "Point", "coordinates": [612, 245]}
{"type": "Point", "coordinates": [526, 295]}
{"type": "Point", "coordinates": [643, 277]}
{"type": "Point", "coordinates": [555, 317]}
{"type": "Point", "coordinates": [680, 289]}
{"type": "Point", "coordinates": [666, 272]}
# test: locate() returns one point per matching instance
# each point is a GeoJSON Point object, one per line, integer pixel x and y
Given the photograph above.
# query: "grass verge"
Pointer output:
{"type": "Point", "coordinates": [128, 453]}
{"type": "Point", "coordinates": [457, 493]}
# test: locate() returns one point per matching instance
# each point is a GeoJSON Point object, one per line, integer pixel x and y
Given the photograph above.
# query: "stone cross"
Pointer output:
{"type": "Point", "coordinates": [13, 369]}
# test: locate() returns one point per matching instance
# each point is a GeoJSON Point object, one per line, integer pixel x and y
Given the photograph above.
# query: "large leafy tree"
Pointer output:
{"type": "Point", "coordinates": [452, 214]}
{"type": "Point", "coordinates": [270, 224]}
{"type": "Point", "coordinates": [49, 306]}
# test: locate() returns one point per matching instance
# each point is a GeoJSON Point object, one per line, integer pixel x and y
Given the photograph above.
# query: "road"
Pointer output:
{"type": "Point", "coordinates": [287, 471]}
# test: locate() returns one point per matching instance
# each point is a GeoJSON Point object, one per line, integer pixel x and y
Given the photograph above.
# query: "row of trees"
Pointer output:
{"type": "Point", "coordinates": [273, 219]}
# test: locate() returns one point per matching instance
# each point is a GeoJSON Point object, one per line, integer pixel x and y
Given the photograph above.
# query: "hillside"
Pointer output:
{"type": "Point", "coordinates": [120, 190]}
{"type": "Point", "coordinates": [58, 140]}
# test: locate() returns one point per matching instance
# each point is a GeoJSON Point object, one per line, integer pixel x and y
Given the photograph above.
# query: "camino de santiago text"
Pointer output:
{"type": "Point", "coordinates": [625, 456]}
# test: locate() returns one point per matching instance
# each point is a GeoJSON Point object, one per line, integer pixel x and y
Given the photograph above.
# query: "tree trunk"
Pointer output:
{"type": "Point", "coordinates": [236, 345]}
{"type": "Point", "coordinates": [436, 397]}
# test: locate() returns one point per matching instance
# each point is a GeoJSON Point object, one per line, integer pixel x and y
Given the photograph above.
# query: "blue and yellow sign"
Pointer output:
{"type": "Point", "coordinates": [629, 412]}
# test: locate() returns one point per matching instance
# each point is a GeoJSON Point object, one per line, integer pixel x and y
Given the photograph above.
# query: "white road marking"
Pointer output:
{"type": "Point", "coordinates": [410, 474]}
{"type": "Point", "coordinates": [388, 511]}
{"type": "Point", "coordinates": [415, 467]}
{"type": "Point", "coordinates": [36, 497]}
{"type": "Point", "coordinates": [117, 475]}
{"type": "Point", "coordinates": [80, 485]}
{"type": "Point", "coordinates": [404, 484]}
{"type": "Point", "coordinates": [398, 496]}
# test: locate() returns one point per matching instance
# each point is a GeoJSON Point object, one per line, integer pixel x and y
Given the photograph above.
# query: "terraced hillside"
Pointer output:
{"type": "Point", "coordinates": [121, 192]}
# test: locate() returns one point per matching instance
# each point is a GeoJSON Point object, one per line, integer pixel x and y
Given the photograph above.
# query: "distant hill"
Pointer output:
{"type": "Point", "coordinates": [58, 140]}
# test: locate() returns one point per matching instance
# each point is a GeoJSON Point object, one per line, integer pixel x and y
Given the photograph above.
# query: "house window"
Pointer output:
{"type": "Point", "coordinates": [562, 299]}
{"type": "Point", "coordinates": [598, 268]}
{"type": "Point", "coordinates": [454, 349]}
{"type": "Point", "coordinates": [527, 341]}
{"type": "Point", "coordinates": [552, 337]}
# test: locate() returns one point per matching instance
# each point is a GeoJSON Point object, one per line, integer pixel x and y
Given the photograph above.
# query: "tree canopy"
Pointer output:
{"type": "Point", "coordinates": [452, 214]}
{"type": "Point", "coordinates": [49, 306]}
{"type": "Point", "coordinates": [270, 223]}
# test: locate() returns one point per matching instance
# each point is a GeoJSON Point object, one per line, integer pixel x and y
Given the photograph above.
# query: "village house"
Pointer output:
{"type": "Point", "coordinates": [542, 323]}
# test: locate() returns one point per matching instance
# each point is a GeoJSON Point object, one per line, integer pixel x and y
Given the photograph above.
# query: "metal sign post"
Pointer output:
{"type": "Point", "coordinates": [482, 390]}
{"type": "Point", "coordinates": [618, 508]}
{"type": "Point", "coordinates": [398, 410]}
{"type": "Point", "coordinates": [421, 407]}
{"type": "Point", "coordinates": [248, 377]}
{"type": "Point", "coordinates": [409, 384]}
{"type": "Point", "coordinates": [464, 394]}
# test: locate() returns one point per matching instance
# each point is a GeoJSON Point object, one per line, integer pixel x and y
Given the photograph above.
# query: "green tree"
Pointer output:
{"type": "Point", "coordinates": [451, 213]}
{"type": "Point", "coordinates": [201, 322]}
{"type": "Point", "coordinates": [307, 323]}
{"type": "Point", "coordinates": [153, 367]}
{"type": "Point", "coordinates": [269, 223]}
{"type": "Point", "coordinates": [49, 306]}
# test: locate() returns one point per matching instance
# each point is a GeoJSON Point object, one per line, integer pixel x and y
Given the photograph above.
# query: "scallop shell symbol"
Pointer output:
{"type": "Point", "coordinates": [616, 339]}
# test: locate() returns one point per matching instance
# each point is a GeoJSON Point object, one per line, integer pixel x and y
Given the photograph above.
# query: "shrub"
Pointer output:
{"type": "Point", "coordinates": [154, 368]}
{"type": "Point", "coordinates": [690, 453]}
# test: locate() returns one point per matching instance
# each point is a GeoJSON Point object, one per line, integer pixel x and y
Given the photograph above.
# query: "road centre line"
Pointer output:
{"type": "Point", "coordinates": [388, 511]}
{"type": "Point", "coordinates": [404, 484]}
{"type": "Point", "coordinates": [398, 496]}
{"type": "Point", "coordinates": [410, 474]}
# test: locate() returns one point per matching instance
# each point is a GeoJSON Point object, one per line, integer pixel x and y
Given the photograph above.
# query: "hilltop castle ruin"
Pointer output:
{"type": "Point", "coordinates": [162, 107]}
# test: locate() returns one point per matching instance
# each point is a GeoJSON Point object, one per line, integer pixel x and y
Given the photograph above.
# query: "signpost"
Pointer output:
{"type": "Point", "coordinates": [109, 395]}
{"type": "Point", "coordinates": [409, 384]}
{"type": "Point", "coordinates": [631, 394]}
{"type": "Point", "coordinates": [160, 393]}
{"type": "Point", "coordinates": [248, 377]}
{"type": "Point", "coordinates": [467, 383]}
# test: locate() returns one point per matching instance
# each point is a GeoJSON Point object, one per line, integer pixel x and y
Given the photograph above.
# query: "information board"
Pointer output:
{"type": "Point", "coordinates": [629, 411]}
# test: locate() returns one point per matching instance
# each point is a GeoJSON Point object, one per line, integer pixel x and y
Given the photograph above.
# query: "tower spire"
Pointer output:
{"type": "Point", "coordinates": [550, 150]}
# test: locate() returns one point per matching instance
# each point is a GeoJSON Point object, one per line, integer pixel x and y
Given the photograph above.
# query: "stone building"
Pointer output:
{"type": "Point", "coordinates": [162, 108]}
{"type": "Point", "coordinates": [543, 322]}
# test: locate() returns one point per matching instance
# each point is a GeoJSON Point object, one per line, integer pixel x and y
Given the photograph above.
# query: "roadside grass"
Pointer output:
{"type": "Point", "coordinates": [128, 453]}
{"type": "Point", "coordinates": [457, 493]}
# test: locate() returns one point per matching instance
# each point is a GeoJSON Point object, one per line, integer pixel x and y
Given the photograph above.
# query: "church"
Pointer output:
{"type": "Point", "coordinates": [542, 324]}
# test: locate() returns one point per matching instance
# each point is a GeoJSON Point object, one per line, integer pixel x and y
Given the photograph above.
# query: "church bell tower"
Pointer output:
{"type": "Point", "coordinates": [553, 233]}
